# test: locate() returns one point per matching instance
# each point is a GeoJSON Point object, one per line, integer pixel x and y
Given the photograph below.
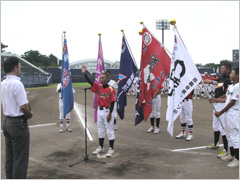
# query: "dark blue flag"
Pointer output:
{"type": "Point", "coordinates": [139, 116]}
{"type": "Point", "coordinates": [126, 76]}
{"type": "Point", "coordinates": [66, 81]}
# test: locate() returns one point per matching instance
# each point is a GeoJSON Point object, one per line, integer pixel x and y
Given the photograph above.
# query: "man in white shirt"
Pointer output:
{"type": "Point", "coordinates": [61, 118]}
{"type": "Point", "coordinates": [15, 126]}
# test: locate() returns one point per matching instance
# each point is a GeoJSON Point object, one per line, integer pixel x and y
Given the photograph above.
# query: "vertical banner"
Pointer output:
{"type": "Point", "coordinates": [99, 70]}
{"type": "Point", "coordinates": [184, 78]}
{"type": "Point", "coordinates": [155, 66]}
{"type": "Point", "coordinates": [66, 81]}
{"type": "Point", "coordinates": [126, 76]}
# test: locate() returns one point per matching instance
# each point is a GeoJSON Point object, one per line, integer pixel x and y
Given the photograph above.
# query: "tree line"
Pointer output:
{"type": "Point", "coordinates": [39, 60]}
{"type": "Point", "coordinates": [36, 58]}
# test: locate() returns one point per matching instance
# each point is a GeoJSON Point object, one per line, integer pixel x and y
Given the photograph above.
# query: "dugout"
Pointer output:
{"type": "Point", "coordinates": [31, 76]}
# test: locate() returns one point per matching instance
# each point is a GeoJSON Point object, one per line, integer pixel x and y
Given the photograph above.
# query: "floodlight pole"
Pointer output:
{"type": "Point", "coordinates": [162, 24]}
{"type": "Point", "coordinates": [162, 33]}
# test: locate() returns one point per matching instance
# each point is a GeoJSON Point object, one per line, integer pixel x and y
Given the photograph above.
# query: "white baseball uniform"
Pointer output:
{"type": "Point", "coordinates": [186, 114]}
{"type": "Point", "coordinates": [232, 117]}
{"type": "Point", "coordinates": [156, 106]}
{"type": "Point", "coordinates": [61, 104]}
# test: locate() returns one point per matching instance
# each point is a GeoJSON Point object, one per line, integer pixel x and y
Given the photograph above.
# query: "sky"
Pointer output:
{"type": "Point", "coordinates": [209, 29]}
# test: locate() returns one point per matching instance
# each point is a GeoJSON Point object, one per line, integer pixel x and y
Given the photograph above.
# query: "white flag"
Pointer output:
{"type": "Point", "coordinates": [184, 77]}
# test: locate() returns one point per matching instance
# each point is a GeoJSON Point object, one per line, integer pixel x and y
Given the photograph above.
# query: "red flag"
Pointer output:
{"type": "Point", "coordinates": [155, 66]}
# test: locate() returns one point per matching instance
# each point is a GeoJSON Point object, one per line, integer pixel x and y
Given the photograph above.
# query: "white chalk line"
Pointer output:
{"type": "Point", "coordinates": [193, 148]}
{"type": "Point", "coordinates": [80, 120]}
{"type": "Point", "coordinates": [41, 125]}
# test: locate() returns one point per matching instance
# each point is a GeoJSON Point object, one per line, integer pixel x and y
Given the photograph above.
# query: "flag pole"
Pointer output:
{"type": "Point", "coordinates": [173, 22]}
{"type": "Point", "coordinates": [99, 34]}
{"type": "Point", "coordinates": [209, 96]}
{"type": "Point", "coordinates": [122, 30]}
{"type": "Point", "coordinates": [62, 42]}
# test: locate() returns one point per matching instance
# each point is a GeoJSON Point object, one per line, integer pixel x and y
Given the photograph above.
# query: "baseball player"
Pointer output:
{"type": "Point", "coordinates": [207, 86]}
{"type": "Point", "coordinates": [231, 119]}
{"type": "Point", "coordinates": [134, 85]}
{"type": "Point", "coordinates": [186, 118]}
{"type": "Point", "coordinates": [156, 106]}
{"type": "Point", "coordinates": [61, 118]}
{"type": "Point", "coordinates": [214, 78]}
{"type": "Point", "coordinates": [197, 92]}
{"type": "Point", "coordinates": [106, 98]}
{"type": "Point", "coordinates": [114, 114]}
{"type": "Point", "coordinates": [221, 88]}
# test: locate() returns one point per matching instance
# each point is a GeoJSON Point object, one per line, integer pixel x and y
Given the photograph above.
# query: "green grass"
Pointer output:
{"type": "Point", "coordinates": [55, 86]}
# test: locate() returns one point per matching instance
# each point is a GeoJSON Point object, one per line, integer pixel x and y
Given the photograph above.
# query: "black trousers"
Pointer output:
{"type": "Point", "coordinates": [17, 136]}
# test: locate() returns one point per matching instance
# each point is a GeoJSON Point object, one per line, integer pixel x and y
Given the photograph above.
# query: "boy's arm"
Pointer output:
{"type": "Point", "coordinates": [226, 108]}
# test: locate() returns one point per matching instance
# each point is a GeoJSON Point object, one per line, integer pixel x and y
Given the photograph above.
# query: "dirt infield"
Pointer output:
{"type": "Point", "coordinates": [138, 155]}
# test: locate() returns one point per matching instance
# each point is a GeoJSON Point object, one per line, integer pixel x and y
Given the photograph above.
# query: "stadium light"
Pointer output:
{"type": "Point", "coordinates": [162, 24]}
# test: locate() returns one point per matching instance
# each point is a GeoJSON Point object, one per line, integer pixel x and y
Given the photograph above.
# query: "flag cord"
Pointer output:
{"type": "Point", "coordinates": [130, 51]}
{"type": "Point", "coordinates": [209, 96]}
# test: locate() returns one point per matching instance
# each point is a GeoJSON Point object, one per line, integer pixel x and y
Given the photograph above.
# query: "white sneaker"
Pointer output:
{"type": "Point", "coordinates": [110, 152]}
{"type": "Point", "coordinates": [61, 130]}
{"type": "Point", "coordinates": [189, 137]}
{"type": "Point", "coordinates": [69, 129]}
{"type": "Point", "coordinates": [223, 154]}
{"type": "Point", "coordinates": [227, 158]}
{"type": "Point", "coordinates": [157, 130]}
{"type": "Point", "coordinates": [198, 98]}
{"type": "Point", "coordinates": [181, 135]}
{"type": "Point", "coordinates": [98, 150]}
{"type": "Point", "coordinates": [234, 163]}
{"type": "Point", "coordinates": [151, 129]}
{"type": "Point", "coordinates": [115, 127]}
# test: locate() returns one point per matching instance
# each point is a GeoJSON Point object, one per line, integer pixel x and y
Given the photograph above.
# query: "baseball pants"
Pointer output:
{"type": "Point", "coordinates": [103, 124]}
{"type": "Point", "coordinates": [186, 114]}
{"type": "Point", "coordinates": [156, 106]}
{"type": "Point", "coordinates": [232, 128]}
{"type": "Point", "coordinates": [61, 111]}
{"type": "Point", "coordinates": [197, 91]}
{"type": "Point", "coordinates": [216, 124]}
{"type": "Point", "coordinates": [114, 113]}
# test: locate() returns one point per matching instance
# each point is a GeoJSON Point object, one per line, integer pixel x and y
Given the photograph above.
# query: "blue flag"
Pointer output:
{"type": "Point", "coordinates": [126, 76]}
{"type": "Point", "coordinates": [139, 116]}
{"type": "Point", "coordinates": [66, 82]}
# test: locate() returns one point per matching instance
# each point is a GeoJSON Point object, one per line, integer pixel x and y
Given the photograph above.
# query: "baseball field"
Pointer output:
{"type": "Point", "coordinates": [138, 154]}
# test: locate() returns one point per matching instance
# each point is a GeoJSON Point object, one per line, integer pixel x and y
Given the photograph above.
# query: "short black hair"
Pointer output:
{"type": "Point", "coordinates": [227, 66]}
{"type": "Point", "coordinates": [10, 63]}
{"type": "Point", "coordinates": [236, 70]}
{"type": "Point", "coordinates": [106, 75]}
{"type": "Point", "coordinates": [108, 72]}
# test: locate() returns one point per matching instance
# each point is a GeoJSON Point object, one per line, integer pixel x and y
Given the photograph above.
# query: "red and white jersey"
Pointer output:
{"type": "Point", "coordinates": [104, 95]}
{"type": "Point", "coordinates": [206, 77]}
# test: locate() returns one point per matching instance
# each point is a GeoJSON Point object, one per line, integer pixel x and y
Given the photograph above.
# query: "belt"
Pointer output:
{"type": "Point", "coordinates": [16, 116]}
{"type": "Point", "coordinates": [102, 108]}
